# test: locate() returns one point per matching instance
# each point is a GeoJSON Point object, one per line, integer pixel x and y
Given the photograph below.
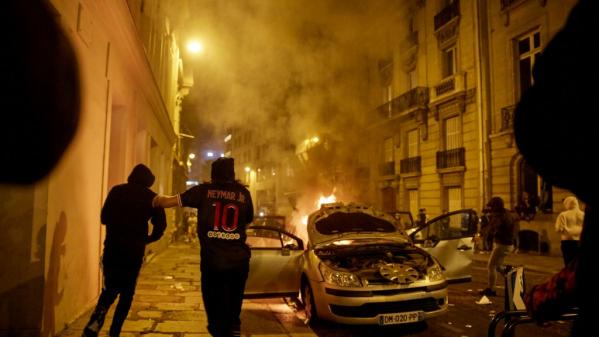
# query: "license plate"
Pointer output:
{"type": "Point", "coordinates": [400, 318]}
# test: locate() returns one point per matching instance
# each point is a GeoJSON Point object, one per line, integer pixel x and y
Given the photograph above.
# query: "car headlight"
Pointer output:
{"type": "Point", "coordinates": [339, 278]}
{"type": "Point", "coordinates": [435, 273]}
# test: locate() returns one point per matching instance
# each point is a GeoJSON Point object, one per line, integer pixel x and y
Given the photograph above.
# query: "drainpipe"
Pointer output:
{"type": "Point", "coordinates": [105, 156]}
{"type": "Point", "coordinates": [483, 99]}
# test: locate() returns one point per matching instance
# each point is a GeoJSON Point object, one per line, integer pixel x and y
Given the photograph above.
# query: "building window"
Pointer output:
{"type": "Point", "coordinates": [453, 133]}
{"type": "Point", "coordinates": [454, 198]}
{"type": "Point", "coordinates": [528, 49]}
{"type": "Point", "coordinates": [388, 150]}
{"type": "Point", "coordinates": [387, 93]}
{"type": "Point", "coordinates": [413, 143]}
{"type": "Point", "coordinates": [412, 80]}
{"type": "Point", "coordinates": [413, 201]}
{"type": "Point", "coordinates": [449, 61]}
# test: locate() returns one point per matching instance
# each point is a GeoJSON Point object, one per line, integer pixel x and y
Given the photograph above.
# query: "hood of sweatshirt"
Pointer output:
{"type": "Point", "coordinates": [141, 175]}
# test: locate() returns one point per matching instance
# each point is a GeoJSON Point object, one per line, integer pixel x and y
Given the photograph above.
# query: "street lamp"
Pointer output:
{"type": "Point", "coordinates": [192, 156]}
{"type": "Point", "coordinates": [195, 47]}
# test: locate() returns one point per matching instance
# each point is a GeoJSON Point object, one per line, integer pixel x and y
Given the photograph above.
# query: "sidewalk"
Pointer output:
{"type": "Point", "coordinates": [545, 264]}
{"type": "Point", "coordinates": [168, 303]}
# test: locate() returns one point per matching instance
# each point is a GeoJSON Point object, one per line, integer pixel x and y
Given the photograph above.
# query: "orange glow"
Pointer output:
{"type": "Point", "coordinates": [326, 200]}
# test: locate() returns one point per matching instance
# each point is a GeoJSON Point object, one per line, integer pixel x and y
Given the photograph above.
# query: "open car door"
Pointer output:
{"type": "Point", "coordinates": [450, 239]}
{"type": "Point", "coordinates": [404, 220]}
{"type": "Point", "coordinates": [275, 266]}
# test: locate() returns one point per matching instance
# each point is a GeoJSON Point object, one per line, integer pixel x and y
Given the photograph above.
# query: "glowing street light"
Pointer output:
{"type": "Point", "coordinates": [247, 169]}
{"type": "Point", "coordinates": [192, 155]}
{"type": "Point", "coordinates": [195, 47]}
{"type": "Point", "coordinates": [209, 154]}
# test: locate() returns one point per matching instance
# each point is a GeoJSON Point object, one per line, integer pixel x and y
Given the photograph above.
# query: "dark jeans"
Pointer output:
{"type": "Point", "coordinates": [569, 250]}
{"type": "Point", "coordinates": [222, 292]}
{"type": "Point", "coordinates": [118, 281]}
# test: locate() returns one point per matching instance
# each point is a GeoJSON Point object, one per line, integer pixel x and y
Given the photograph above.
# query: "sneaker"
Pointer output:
{"type": "Point", "coordinates": [488, 292]}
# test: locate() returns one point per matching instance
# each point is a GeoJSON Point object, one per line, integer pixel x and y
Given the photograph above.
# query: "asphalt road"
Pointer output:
{"type": "Point", "coordinates": [464, 318]}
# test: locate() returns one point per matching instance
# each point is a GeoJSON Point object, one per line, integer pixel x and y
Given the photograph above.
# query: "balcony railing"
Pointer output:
{"type": "Point", "coordinates": [410, 165]}
{"type": "Point", "coordinates": [387, 168]}
{"type": "Point", "coordinates": [445, 86]}
{"type": "Point", "coordinates": [446, 14]}
{"type": "Point", "coordinates": [451, 158]}
{"type": "Point", "coordinates": [416, 97]}
{"type": "Point", "coordinates": [450, 85]}
{"type": "Point", "coordinates": [507, 118]}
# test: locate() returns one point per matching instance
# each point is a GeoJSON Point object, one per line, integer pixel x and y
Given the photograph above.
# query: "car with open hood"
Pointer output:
{"type": "Point", "coordinates": [360, 267]}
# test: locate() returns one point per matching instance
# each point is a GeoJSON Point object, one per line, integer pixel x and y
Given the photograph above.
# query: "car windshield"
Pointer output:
{"type": "Point", "coordinates": [342, 222]}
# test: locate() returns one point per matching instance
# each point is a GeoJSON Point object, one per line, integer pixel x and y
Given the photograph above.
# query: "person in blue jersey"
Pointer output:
{"type": "Point", "coordinates": [224, 209]}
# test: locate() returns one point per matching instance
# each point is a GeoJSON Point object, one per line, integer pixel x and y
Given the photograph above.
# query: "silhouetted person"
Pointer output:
{"type": "Point", "coordinates": [126, 213]}
{"type": "Point", "coordinates": [224, 209]}
{"type": "Point", "coordinates": [502, 225]}
{"type": "Point", "coordinates": [422, 218]}
{"type": "Point", "coordinates": [569, 226]}
{"type": "Point", "coordinates": [556, 133]}
{"type": "Point", "coordinates": [41, 94]}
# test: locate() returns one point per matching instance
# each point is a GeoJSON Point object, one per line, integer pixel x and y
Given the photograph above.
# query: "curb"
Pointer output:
{"type": "Point", "coordinates": [528, 261]}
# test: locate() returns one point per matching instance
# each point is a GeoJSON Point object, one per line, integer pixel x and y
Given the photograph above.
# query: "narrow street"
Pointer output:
{"type": "Point", "coordinates": [168, 304]}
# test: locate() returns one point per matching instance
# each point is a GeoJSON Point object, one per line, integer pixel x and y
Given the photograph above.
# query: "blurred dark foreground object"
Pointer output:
{"type": "Point", "coordinates": [41, 99]}
{"type": "Point", "coordinates": [556, 131]}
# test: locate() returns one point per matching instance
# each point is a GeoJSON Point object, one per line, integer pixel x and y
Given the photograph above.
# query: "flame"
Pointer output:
{"type": "Point", "coordinates": [299, 218]}
{"type": "Point", "coordinates": [326, 200]}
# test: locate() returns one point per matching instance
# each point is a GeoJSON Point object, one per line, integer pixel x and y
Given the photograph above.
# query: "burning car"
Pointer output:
{"type": "Point", "coordinates": [360, 268]}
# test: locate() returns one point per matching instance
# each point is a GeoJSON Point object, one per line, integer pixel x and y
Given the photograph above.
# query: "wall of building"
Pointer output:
{"type": "Point", "coordinates": [54, 240]}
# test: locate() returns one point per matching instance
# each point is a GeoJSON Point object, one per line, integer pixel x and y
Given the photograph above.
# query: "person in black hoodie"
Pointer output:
{"type": "Point", "coordinates": [224, 209]}
{"type": "Point", "coordinates": [126, 213]}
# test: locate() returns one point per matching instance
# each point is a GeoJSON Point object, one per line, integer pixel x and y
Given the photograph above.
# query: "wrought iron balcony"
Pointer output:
{"type": "Point", "coordinates": [387, 168]}
{"type": "Point", "coordinates": [449, 86]}
{"type": "Point", "coordinates": [416, 97]}
{"type": "Point", "coordinates": [507, 118]}
{"type": "Point", "coordinates": [451, 158]}
{"type": "Point", "coordinates": [446, 14]}
{"type": "Point", "coordinates": [410, 165]}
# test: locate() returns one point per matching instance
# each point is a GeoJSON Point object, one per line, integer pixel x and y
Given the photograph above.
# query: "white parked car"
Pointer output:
{"type": "Point", "coordinates": [359, 267]}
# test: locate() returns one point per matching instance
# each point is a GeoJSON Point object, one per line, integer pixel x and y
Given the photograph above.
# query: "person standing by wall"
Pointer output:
{"type": "Point", "coordinates": [126, 213]}
{"type": "Point", "coordinates": [224, 209]}
{"type": "Point", "coordinates": [502, 225]}
{"type": "Point", "coordinates": [569, 225]}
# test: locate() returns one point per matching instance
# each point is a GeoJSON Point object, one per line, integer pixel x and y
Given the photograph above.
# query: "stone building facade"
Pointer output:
{"type": "Point", "coordinates": [132, 83]}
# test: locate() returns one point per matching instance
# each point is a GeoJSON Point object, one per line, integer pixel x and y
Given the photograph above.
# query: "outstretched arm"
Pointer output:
{"type": "Point", "coordinates": [166, 201]}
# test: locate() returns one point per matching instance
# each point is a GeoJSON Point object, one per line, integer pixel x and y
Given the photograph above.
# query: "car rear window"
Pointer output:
{"type": "Point", "coordinates": [342, 222]}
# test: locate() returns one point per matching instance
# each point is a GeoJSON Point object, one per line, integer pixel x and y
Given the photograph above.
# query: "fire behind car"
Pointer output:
{"type": "Point", "coordinates": [358, 268]}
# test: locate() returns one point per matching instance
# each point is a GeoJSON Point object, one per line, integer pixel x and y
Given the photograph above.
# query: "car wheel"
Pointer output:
{"type": "Point", "coordinates": [308, 302]}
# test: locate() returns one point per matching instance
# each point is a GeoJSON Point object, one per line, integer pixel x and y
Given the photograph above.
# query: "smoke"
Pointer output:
{"type": "Point", "coordinates": [291, 69]}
